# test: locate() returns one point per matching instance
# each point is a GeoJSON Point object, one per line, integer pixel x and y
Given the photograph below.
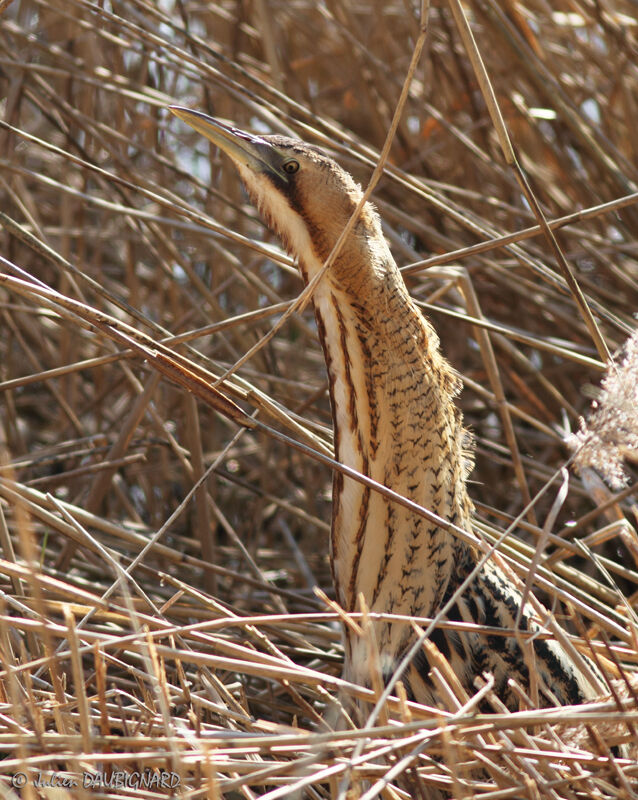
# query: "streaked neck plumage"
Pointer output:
{"type": "Point", "coordinates": [395, 419]}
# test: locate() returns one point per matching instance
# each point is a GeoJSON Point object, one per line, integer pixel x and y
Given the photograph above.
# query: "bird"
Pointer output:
{"type": "Point", "coordinates": [396, 420]}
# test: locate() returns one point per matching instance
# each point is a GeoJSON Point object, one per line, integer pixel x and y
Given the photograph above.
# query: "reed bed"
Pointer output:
{"type": "Point", "coordinates": [166, 623]}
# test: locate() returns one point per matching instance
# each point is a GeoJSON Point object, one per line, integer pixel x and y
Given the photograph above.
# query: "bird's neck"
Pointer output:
{"type": "Point", "coordinates": [395, 420]}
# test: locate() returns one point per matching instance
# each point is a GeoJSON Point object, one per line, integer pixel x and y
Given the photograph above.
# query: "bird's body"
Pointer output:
{"type": "Point", "coordinates": [396, 421]}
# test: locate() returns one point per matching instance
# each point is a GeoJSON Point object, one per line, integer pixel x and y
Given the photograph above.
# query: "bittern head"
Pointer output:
{"type": "Point", "coordinates": [304, 196]}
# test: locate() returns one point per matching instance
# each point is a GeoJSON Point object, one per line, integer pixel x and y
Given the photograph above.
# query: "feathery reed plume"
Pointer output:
{"type": "Point", "coordinates": [609, 436]}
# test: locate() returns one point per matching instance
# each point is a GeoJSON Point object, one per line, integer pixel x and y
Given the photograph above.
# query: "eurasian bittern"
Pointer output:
{"type": "Point", "coordinates": [396, 421]}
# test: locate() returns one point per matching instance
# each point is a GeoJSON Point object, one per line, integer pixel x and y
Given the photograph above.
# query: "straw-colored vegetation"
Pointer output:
{"type": "Point", "coordinates": [163, 527]}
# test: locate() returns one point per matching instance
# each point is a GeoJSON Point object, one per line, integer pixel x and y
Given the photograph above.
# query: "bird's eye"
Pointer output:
{"type": "Point", "coordinates": [290, 167]}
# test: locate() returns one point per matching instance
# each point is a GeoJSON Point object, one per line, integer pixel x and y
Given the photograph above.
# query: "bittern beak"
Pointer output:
{"type": "Point", "coordinates": [245, 149]}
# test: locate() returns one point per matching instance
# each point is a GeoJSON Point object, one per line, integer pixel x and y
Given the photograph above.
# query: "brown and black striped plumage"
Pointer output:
{"type": "Point", "coordinates": [395, 420]}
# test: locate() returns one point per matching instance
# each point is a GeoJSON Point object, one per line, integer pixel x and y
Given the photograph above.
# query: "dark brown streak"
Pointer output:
{"type": "Point", "coordinates": [353, 419]}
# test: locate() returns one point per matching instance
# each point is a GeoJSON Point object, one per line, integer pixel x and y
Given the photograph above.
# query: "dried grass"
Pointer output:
{"type": "Point", "coordinates": [162, 533]}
